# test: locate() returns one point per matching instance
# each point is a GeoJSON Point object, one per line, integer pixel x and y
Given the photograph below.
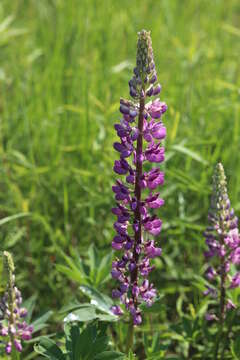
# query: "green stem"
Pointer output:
{"type": "Point", "coordinates": [130, 336]}
{"type": "Point", "coordinates": [217, 343]}
{"type": "Point", "coordinates": [222, 300]}
{"type": "Point", "coordinates": [138, 192]}
{"type": "Point", "coordinates": [137, 213]}
{"type": "Point", "coordinates": [14, 354]}
{"type": "Point", "coordinates": [226, 339]}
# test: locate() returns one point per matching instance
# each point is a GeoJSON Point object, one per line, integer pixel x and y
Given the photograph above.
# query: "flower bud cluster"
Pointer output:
{"type": "Point", "coordinates": [144, 73]}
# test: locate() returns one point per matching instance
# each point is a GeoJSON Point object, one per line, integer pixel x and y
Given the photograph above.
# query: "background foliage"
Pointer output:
{"type": "Point", "coordinates": [63, 67]}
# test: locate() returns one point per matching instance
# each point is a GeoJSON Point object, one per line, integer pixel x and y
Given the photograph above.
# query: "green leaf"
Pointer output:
{"type": "Point", "coordinates": [235, 348]}
{"type": "Point", "coordinates": [87, 343]}
{"type": "Point", "coordinates": [131, 356]}
{"type": "Point", "coordinates": [157, 307]}
{"type": "Point", "coordinates": [40, 322]}
{"type": "Point", "coordinates": [157, 356]}
{"type": "Point", "coordinates": [13, 217]}
{"type": "Point", "coordinates": [47, 348]}
{"type": "Point", "coordinates": [102, 302]}
{"type": "Point", "coordinates": [109, 355]}
{"type": "Point", "coordinates": [104, 269]}
{"type": "Point", "coordinates": [29, 304]}
{"type": "Point", "coordinates": [86, 313]}
{"type": "Point", "coordinates": [76, 343]}
{"type": "Point", "coordinates": [72, 274]}
{"type": "Point", "coordinates": [93, 261]}
{"type": "Point", "coordinates": [73, 306]}
{"type": "Point", "coordinates": [107, 317]}
{"type": "Point", "coordinates": [155, 342]}
{"type": "Point", "coordinates": [187, 326]}
{"type": "Point", "coordinates": [190, 153]}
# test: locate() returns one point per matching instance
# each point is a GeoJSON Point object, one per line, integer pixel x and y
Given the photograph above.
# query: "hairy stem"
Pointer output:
{"type": "Point", "coordinates": [137, 212]}
{"type": "Point", "coordinates": [130, 336]}
{"type": "Point", "coordinates": [225, 341]}
{"type": "Point", "coordinates": [137, 190]}
{"type": "Point", "coordinates": [222, 302]}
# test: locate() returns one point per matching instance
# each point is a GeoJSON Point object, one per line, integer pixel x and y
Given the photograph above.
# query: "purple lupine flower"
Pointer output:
{"type": "Point", "coordinates": [13, 327]}
{"type": "Point", "coordinates": [223, 241]}
{"type": "Point", "coordinates": [210, 317]}
{"type": "Point", "coordinates": [235, 281]}
{"type": "Point", "coordinates": [136, 224]}
{"type": "Point", "coordinates": [230, 305]}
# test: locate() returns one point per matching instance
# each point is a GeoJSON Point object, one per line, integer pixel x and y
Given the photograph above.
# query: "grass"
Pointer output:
{"type": "Point", "coordinates": [63, 67]}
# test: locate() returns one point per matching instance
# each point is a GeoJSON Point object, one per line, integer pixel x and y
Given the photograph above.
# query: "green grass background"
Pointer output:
{"type": "Point", "coordinates": [63, 67]}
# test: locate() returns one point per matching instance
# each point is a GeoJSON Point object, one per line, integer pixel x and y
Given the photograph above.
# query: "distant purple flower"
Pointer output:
{"type": "Point", "coordinates": [136, 223]}
{"type": "Point", "coordinates": [223, 242]}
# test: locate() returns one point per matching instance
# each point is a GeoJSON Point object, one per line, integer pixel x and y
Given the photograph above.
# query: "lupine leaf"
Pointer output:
{"type": "Point", "coordinates": [47, 348]}
{"type": "Point", "coordinates": [109, 355]}
{"type": "Point", "coordinates": [40, 322]}
{"type": "Point", "coordinates": [85, 314]}
{"type": "Point", "coordinates": [235, 348]}
{"type": "Point", "coordinates": [102, 302]}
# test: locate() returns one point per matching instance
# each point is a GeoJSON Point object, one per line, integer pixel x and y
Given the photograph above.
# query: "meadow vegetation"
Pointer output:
{"type": "Point", "coordinates": [63, 67]}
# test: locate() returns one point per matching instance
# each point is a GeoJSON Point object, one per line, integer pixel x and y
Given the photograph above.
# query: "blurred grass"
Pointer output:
{"type": "Point", "coordinates": [63, 67]}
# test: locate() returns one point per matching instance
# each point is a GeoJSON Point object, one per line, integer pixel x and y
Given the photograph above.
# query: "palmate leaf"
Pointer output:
{"type": "Point", "coordinates": [110, 355]}
{"type": "Point", "coordinates": [47, 348]}
{"type": "Point", "coordinates": [99, 308]}
{"type": "Point", "coordinates": [41, 321]}
{"type": "Point", "coordinates": [74, 305]}
{"type": "Point", "coordinates": [131, 356]}
{"type": "Point", "coordinates": [95, 271]}
{"type": "Point", "coordinates": [93, 260]}
{"type": "Point", "coordinates": [74, 269]}
{"type": "Point", "coordinates": [85, 313]}
{"type": "Point", "coordinates": [87, 343]}
{"type": "Point", "coordinates": [82, 343]}
{"type": "Point", "coordinates": [99, 266]}
{"type": "Point", "coordinates": [73, 345]}
{"type": "Point", "coordinates": [84, 316]}
{"type": "Point", "coordinates": [88, 313]}
{"type": "Point", "coordinates": [235, 348]}
{"type": "Point", "coordinates": [101, 301]}
{"type": "Point", "coordinates": [157, 306]}
{"type": "Point", "coordinates": [73, 274]}
{"type": "Point", "coordinates": [104, 270]}
{"type": "Point", "coordinates": [29, 304]}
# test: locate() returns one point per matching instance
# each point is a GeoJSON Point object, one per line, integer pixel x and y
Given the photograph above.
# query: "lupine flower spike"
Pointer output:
{"type": "Point", "coordinates": [223, 241]}
{"type": "Point", "coordinates": [141, 132]}
{"type": "Point", "coordinates": [13, 328]}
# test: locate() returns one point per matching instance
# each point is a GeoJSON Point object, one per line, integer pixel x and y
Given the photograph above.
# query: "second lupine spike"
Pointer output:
{"type": "Point", "coordinates": [223, 241]}
{"type": "Point", "coordinates": [140, 131]}
{"type": "Point", "coordinates": [13, 328]}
